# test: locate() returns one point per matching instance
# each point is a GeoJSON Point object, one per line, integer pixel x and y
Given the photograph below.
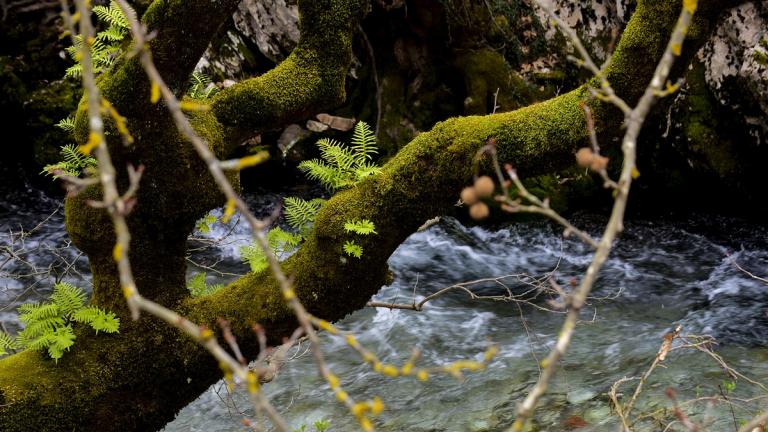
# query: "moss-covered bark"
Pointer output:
{"type": "Point", "coordinates": [138, 379]}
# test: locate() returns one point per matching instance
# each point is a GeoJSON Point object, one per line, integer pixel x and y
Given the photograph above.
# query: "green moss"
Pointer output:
{"type": "Point", "coordinates": [44, 108]}
{"type": "Point", "coordinates": [309, 80]}
{"type": "Point", "coordinates": [91, 388]}
{"type": "Point", "coordinates": [486, 71]}
{"type": "Point", "coordinates": [701, 124]}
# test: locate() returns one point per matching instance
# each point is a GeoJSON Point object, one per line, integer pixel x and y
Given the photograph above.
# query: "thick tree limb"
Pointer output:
{"type": "Point", "coordinates": [138, 379]}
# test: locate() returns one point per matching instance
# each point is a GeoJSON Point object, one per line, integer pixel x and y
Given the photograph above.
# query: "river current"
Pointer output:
{"type": "Point", "coordinates": [661, 274]}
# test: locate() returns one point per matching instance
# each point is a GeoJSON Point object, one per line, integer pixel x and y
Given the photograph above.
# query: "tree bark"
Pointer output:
{"type": "Point", "coordinates": [138, 379]}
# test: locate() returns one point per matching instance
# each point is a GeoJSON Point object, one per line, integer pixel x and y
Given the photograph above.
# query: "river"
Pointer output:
{"type": "Point", "coordinates": [662, 273]}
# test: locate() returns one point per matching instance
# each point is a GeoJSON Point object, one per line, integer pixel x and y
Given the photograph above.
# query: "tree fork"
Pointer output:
{"type": "Point", "coordinates": [138, 379]}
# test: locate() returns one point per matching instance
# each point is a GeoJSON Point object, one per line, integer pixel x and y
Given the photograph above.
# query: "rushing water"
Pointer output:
{"type": "Point", "coordinates": [660, 275]}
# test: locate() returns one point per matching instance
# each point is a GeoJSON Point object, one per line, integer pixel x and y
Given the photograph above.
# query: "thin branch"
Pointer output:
{"type": "Point", "coordinates": [635, 120]}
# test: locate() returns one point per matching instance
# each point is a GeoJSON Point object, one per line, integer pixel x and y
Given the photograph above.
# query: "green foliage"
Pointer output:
{"type": "Point", "coordinates": [112, 15]}
{"type": "Point", "coordinates": [198, 287]}
{"type": "Point", "coordinates": [7, 342]}
{"type": "Point", "coordinates": [48, 326]}
{"type": "Point", "coordinates": [200, 86]}
{"type": "Point", "coordinates": [341, 166]}
{"type": "Point", "coordinates": [728, 385]}
{"type": "Point", "coordinates": [98, 319]}
{"type": "Point", "coordinates": [203, 225]}
{"type": "Point", "coordinates": [364, 140]}
{"type": "Point", "coordinates": [300, 214]}
{"type": "Point", "coordinates": [73, 164]}
{"type": "Point", "coordinates": [67, 124]}
{"type": "Point", "coordinates": [362, 227]}
{"type": "Point", "coordinates": [321, 425]}
{"type": "Point", "coordinates": [281, 243]}
{"type": "Point", "coordinates": [106, 46]}
{"type": "Point", "coordinates": [353, 249]}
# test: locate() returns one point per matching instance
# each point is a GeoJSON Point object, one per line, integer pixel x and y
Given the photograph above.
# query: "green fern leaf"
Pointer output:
{"type": "Point", "coordinates": [196, 285]}
{"type": "Point", "coordinates": [353, 249]}
{"type": "Point", "coordinates": [200, 86]}
{"type": "Point", "coordinates": [364, 142]}
{"type": "Point", "coordinates": [32, 312]}
{"type": "Point", "coordinates": [75, 71]}
{"type": "Point", "coordinates": [364, 170]}
{"type": "Point", "coordinates": [60, 341]}
{"type": "Point", "coordinates": [68, 298]}
{"type": "Point", "coordinates": [337, 155]}
{"type": "Point", "coordinates": [98, 319]}
{"type": "Point", "coordinates": [112, 34]}
{"type": "Point", "coordinates": [254, 256]}
{"type": "Point", "coordinates": [67, 124]}
{"type": "Point", "coordinates": [283, 241]}
{"type": "Point", "coordinates": [7, 342]}
{"type": "Point", "coordinates": [203, 225]}
{"type": "Point", "coordinates": [300, 213]}
{"type": "Point", "coordinates": [37, 331]}
{"type": "Point", "coordinates": [362, 227]}
{"type": "Point", "coordinates": [329, 176]}
{"type": "Point", "coordinates": [112, 15]}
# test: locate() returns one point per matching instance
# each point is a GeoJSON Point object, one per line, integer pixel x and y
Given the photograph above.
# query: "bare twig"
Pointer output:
{"type": "Point", "coordinates": [235, 202]}
{"type": "Point", "coordinates": [635, 119]}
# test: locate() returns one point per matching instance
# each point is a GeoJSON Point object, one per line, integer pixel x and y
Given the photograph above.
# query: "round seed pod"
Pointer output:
{"type": "Point", "coordinates": [469, 195]}
{"type": "Point", "coordinates": [484, 186]}
{"type": "Point", "coordinates": [479, 211]}
{"type": "Point", "coordinates": [584, 157]}
{"type": "Point", "coordinates": [598, 163]}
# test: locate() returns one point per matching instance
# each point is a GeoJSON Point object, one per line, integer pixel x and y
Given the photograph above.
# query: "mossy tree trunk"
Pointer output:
{"type": "Point", "coordinates": [138, 379]}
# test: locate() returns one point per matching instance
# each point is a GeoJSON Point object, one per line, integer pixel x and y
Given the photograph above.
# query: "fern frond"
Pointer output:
{"type": "Point", "coordinates": [77, 45]}
{"type": "Point", "coordinates": [336, 154]}
{"type": "Point", "coordinates": [364, 142]}
{"type": "Point", "coordinates": [254, 256]}
{"type": "Point", "coordinates": [73, 164]}
{"type": "Point", "coordinates": [7, 342]}
{"type": "Point", "coordinates": [112, 34]}
{"type": "Point", "coordinates": [283, 241]}
{"type": "Point", "coordinates": [62, 168]}
{"type": "Point", "coordinates": [68, 298]}
{"type": "Point", "coordinates": [329, 176]}
{"type": "Point", "coordinates": [200, 86]}
{"type": "Point", "coordinates": [74, 71]}
{"type": "Point", "coordinates": [362, 227]}
{"type": "Point", "coordinates": [32, 312]}
{"type": "Point", "coordinates": [366, 169]}
{"type": "Point", "coordinates": [98, 319]}
{"type": "Point", "coordinates": [112, 15]}
{"type": "Point", "coordinates": [60, 341]}
{"type": "Point", "coordinates": [67, 124]}
{"type": "Point", "coordinates": [300, 213]}
{"type": "Point", "coordinates": [196, 285]}
{"type": "Point", "coordinates": [203, 225]}
{"type": "Point", "coordinates": [39, 328]}
{"type": "Point", "coordinates": [353, 249]}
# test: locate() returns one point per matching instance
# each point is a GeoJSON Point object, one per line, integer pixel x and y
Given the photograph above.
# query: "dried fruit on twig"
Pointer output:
{"type": "Point", "coordinates": [584, 157]}
{"type": "Point", "coordinates": [469, 195]}
{"type": "Point", "coordinates": [484, 186]}
{"type": "Point", "coordinates": [599, 163]}
{"type": "Point", "coordinates": [479, 211]}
